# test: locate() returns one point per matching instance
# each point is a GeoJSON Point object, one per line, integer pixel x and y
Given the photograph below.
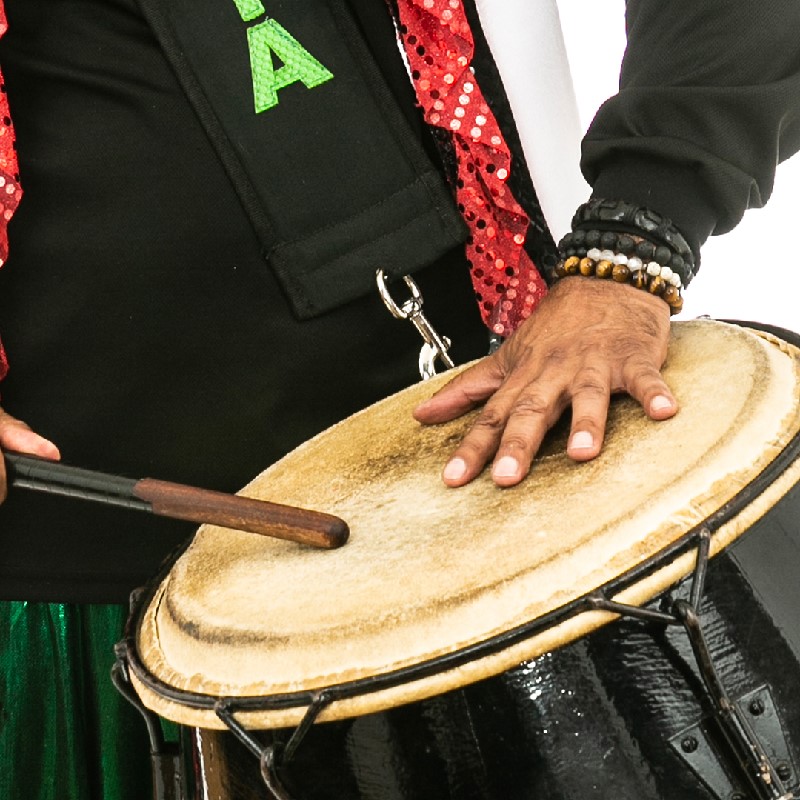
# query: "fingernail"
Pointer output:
{"type": "Point", "coordinates": [53, 446]}
{"type": "Point", "coordinates": [582, 440]}
{"type": "Point", "coordinates": [660, 403]}
{"type": "Point", "coordinates": [455, 470]}
{"type": "Point", "coordinates": [506, 467]}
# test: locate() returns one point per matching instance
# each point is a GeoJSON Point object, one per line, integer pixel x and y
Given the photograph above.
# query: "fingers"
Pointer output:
{"type": "Point", "coordinates": [16, 435]}
{"type": "Point", "coordinates": [644, 383]}
{"type": "Point", "coordinates": [467, 390]}
{"type": "Point", "coordinates": [510, 428]}
{"type": "Point", "coordinates": [590, 399]}
{"type": "Point", "coordinates": [590, 406]}
{"type": "Point", "coordinates": [534, 412]}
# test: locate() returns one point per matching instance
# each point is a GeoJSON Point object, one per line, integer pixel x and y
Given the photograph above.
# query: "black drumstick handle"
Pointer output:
{"type": "Point", "coordinates": [178, 501]}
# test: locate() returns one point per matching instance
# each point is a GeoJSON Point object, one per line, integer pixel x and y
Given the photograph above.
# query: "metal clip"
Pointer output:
{"type": "Point", "coordinates": [435, 346]}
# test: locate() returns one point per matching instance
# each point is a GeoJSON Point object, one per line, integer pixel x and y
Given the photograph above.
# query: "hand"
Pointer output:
{"type": "Point", "coordinates": [587, 339]}
{"type": "Point", "coordinates": [16, 435]}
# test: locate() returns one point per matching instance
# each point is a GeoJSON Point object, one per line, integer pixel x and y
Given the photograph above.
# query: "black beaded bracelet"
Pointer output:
{"type": "Point", "coordinates": [580, 242]}
{"type": "Point", "coordinates": [620, 217]}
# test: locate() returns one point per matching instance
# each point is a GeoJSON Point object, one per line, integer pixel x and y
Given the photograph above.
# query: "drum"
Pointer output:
{"type": "Point", "coordinates": [457, 647]}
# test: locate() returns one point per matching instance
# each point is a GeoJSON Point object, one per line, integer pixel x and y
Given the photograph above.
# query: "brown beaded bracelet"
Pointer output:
{"type": "Point", "coordinates": [621, 273]}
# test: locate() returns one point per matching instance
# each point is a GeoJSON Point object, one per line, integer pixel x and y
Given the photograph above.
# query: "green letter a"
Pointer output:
{"type": "Point", "coordinates": [298, 63]}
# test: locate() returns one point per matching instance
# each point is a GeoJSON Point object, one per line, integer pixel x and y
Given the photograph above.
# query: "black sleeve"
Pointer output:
{"type": "Point", "coordinates": [709, 103]}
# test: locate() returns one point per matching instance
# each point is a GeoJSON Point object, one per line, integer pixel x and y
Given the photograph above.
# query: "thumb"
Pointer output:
{"type": "Point", "coordinates": [16, 435]}
{"type": "Point", "coordinates": [467, 390]}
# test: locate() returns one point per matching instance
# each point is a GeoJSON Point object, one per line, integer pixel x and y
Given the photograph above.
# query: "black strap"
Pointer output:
{"type": "Point", "coordinates": [332, 178]}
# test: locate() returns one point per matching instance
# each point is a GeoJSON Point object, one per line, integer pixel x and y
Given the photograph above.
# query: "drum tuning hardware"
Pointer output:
{"type": "Point", "coordinates": [740, 751]}
{"type": "Point", "coordinates": [749, 730]}
{"type": "Point", "coordinates": [272, 757]}
{"type": "Point", "coordinates": [597, 601]}
{"type": "Point", "coordinates": [435, 346]}
{"type": "Point", "coordinates": [759, 710]}
{"type": "Point", "coordinates": [269, 771]}
{"type": "Point", "coordinates": [165, 757]}
{"type": "Point", "coordinates": [267, 755]}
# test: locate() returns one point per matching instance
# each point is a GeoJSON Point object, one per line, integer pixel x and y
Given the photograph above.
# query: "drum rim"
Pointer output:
{"type": "Point", "coordinates": [308, 698]}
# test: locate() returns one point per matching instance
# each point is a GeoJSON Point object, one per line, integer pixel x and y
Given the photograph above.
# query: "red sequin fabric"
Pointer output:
{"type": "Point", "coordinates": [439, 46]}
{"type": "Point", "coordinates": [10, 191]}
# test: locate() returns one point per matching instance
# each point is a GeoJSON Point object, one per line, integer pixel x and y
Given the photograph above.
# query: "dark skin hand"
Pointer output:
{"type": "Point", "coordinates": [16, 435]}
{"type": "Point", "coordinates": [587, 340]}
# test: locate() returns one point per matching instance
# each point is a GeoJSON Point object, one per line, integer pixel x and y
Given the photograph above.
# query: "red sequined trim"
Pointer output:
{"type": "Point", "coordinates": [439, 45]}
{"type": "Point", "coordinates": [10, 191]}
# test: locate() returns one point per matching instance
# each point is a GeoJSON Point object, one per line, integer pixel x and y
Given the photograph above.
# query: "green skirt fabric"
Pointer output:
{"type": "Point", "coordinates": [65, 732]}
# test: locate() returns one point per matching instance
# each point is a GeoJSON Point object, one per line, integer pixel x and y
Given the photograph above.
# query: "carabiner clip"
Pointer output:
{"type": "Point", "coordinates": [434, 346]}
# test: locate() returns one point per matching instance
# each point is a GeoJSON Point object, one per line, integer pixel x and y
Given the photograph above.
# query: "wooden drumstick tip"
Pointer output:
{"type": "Point", "coordinates": [339, 533]}
{"type": "Point", "coordinates": [313, 528]}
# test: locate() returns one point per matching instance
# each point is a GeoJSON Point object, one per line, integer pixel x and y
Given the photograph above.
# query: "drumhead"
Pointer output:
{"type": "Point", "coordinates": [433, 578]}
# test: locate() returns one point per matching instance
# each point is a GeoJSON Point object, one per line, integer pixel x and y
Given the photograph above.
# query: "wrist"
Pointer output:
{"type": "Point", "coordinates": [626, 244]}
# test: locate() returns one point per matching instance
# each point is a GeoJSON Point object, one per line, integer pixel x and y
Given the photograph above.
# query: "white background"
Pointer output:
{"type": "Point", "coordinates": [752, 273]}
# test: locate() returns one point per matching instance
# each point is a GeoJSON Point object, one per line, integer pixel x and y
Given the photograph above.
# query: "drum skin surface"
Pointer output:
{"type": "Point", "coordinates": [430, 571]}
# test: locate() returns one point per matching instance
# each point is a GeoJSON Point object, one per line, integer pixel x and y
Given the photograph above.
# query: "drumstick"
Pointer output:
{"type": "Point", "coordinates": [178, 501]}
